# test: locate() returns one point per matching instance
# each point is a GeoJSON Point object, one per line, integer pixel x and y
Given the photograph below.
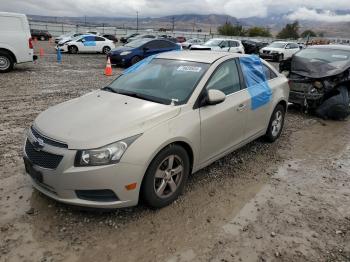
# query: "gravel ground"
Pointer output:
{"type": "Point", "coordinates": [286, 201]}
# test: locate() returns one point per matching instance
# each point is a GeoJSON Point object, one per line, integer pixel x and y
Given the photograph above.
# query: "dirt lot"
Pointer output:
{"type": "Point", "coordinates": [287, 201]}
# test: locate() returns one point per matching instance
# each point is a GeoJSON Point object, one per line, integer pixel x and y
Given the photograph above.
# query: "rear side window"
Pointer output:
{"type": "Point", "coordinates": [10, 24]}
{"type": "Point", "coordinates": [269, 74]}
{"type": "Point", "coordinates": [225, 78]}
{"type": "Point", "coordinates": [97, 38]}
{"type": "Point", "coordinates": [233, 44]}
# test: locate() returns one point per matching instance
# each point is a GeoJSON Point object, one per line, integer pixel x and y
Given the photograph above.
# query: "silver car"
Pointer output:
{"type": "Point", "coordinates": [158, 122]}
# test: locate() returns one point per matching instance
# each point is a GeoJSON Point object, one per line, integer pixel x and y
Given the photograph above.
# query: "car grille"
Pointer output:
{"type": "Point", "coordinates": [42, 158]}
{"type": "Point", "coordinates": [48, 140]}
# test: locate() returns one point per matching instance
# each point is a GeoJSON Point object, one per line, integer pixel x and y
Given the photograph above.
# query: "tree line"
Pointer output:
{"type": "Point", "coordinates": [290, 31]}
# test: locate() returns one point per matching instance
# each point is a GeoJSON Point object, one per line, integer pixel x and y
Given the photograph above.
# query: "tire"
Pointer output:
{"type": "Point", "coordinates": [280, 58]}
{"type": "Point", "coordinates": [162, 183]}
{"type": "Point", "coordinates": [73, 49]}
{"type": "Point", "coordinates": [135, 60]}
{"type": "Point", "coordinates": [6, 62]}
{"type": "Point", "coordinates": [106, 49]}
{"type": "Point", "coordinates": [276, 124]}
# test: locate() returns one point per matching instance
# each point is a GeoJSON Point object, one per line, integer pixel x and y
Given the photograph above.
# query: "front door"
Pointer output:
{"type": "Point", "coordinates": [223, 125]}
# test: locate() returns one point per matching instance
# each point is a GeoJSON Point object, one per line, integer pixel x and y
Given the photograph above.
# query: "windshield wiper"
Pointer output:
{"type": "Point", "coordinates": [142, 96]}
{"type": "Point", "coordinates": [109, 89]}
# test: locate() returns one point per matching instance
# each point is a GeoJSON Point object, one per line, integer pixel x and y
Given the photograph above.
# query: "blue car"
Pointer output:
{"type": "Point", "coordinates": [137, 50]}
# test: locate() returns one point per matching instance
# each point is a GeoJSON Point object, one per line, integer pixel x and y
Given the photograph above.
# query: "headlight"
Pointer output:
{"type": "Point", "coordinates": [125, 53]}
{"type": "Point", "coordinates": [106, 155]}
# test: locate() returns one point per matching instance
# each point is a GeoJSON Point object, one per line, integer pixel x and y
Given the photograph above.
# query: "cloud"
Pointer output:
{"type": "Point", "coordinates": [324, 16]}
{"type": "Point", "coordinates": [157, 8]}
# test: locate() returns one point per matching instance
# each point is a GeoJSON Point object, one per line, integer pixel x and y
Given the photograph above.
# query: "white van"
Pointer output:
{"type": "Point", "coordinates": [15, 41]}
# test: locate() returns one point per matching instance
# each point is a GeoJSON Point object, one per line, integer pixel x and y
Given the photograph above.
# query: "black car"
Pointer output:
{"type": "Point", "coordinates": [124, 39]}
{"type": "Point", "coordinates": [111, 37]}
{"type": "Point", "coordinates": [253, 47]}
{"type": "Point", "coordinates": [320, 80]}
{"type": "Point", "coordinates": [40, 34]}
{"type": "Point", "coordinates": [135, 51]}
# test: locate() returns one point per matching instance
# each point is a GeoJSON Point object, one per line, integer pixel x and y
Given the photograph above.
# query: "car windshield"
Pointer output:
{"type": "Point", "coordinates": [162, 80]}
{"type": "Point", "coordinates": [324, 54]}
{"type": "Point", "coordinates": [213, 43]}
{"type": "Point", "coordinates": [137, 43]}
{"type": "Point", "coordinates": [277, 45]}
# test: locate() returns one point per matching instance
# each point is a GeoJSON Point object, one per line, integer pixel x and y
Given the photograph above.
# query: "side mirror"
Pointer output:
{"type": "Point", "coordinates": [215, 97]}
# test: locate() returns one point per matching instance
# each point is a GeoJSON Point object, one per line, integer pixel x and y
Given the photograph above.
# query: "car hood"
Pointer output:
{"type": "Point", "coordinates": [100, 118]}
{"type": "Point", "coordinates": [121, 49]}
{"type": "Point", "coordinates": [317, 69]}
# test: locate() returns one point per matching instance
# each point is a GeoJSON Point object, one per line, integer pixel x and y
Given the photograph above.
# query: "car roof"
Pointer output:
{"type": "Point", "coordinates": [339, 47]}
{"type": "Point", "coordinates": [225, 39]}
{"type": "Point", "coordinates": [208, 57]}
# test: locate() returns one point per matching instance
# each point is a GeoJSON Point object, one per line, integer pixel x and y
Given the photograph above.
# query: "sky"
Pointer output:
{"type": "Point", "coordinates": [298, 9]}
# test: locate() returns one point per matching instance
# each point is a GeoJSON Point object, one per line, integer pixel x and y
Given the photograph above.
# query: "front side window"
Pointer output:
{"type": "Point", "coordinates": [162, 80]}
{"type": "Point", "coordinates": [225, 78]}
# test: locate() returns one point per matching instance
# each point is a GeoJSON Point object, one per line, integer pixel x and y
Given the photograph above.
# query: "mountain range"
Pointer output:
{"type": "Point", "coordinates": [210, 22]}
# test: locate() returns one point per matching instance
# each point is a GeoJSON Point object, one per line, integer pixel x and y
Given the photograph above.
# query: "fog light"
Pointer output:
{"type": "Point", "coordinates": [131, 186]}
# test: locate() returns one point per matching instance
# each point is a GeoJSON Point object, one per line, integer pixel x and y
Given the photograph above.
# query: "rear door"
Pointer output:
{"type": "Point", "coordinates": [100, 43]}
{"type": "Point", "coordinates": [223, 125]}
{"type": "Point", "coordinates": [258, 118]}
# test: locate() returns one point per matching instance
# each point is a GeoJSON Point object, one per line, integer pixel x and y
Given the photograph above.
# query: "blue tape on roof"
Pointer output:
{"type": "Point", "coordinates": [136, 67]}
{"type": "Point", "coordinates": [256, 82]}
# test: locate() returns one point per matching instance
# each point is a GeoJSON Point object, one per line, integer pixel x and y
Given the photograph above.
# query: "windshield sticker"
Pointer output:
{"type": "Point", "coordinates": [195, 69]}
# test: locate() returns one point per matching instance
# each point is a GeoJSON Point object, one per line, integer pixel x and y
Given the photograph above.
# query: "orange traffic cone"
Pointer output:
{"type": "Point", "coordinates": [41, 52]}
{"type": "Point", "coordinates": [108, 69]}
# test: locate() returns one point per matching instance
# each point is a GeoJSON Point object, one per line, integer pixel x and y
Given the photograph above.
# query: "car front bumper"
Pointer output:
{"type": "Point", "coordinates": [117, 59]}
{"type": "Point", "coordinates": [273, 56]}
{"type": "Point", "coordinates": [63, 48]}
{"type": "Point", "coordinates": [66, 181]}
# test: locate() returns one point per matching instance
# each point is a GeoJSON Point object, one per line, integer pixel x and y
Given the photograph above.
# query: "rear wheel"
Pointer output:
{"type": "Point", "coordinates": [166, 177]}
{"type": "Point", "coordinates": [6, 62]}
{"type": "Point", "coordinates": [106, 50]}
{"type": "Point", "coordinates": [73, 49]}
{"type": "Point", "coordinates": [135, 60]}
{"type": "Point", "coordinates": [276, 123]}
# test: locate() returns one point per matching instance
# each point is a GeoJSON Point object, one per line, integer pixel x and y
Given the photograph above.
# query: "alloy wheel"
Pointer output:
{"type": "Point", "coordinates": [277, 123]}
{"type": "Point", "coordinates": [168, 176]}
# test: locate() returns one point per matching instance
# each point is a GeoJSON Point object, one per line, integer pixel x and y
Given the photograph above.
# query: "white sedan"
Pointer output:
{"type": "Point", "coordinates": [86, 43]}
{"type": "Point", "coordinates": [161, 120]}
{"type": "Point", "coordinates": [222, 45]}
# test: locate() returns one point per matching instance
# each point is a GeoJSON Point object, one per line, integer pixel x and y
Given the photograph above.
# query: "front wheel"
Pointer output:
{"type": "Point", "coordinates": [276, 123]}
{"type": "Point", "coordinates": [73, 49]}
{"type": "Point", "coordinates": [166, 177]}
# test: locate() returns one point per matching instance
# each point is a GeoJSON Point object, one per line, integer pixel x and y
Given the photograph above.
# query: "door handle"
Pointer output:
{"type": "Point", "coordinates": [241, 107]}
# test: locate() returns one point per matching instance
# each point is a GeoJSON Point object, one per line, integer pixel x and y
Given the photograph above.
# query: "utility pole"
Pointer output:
{"type": "Point", "coordinates": [173, 21]}
{"type": "Point", "coordinates": [85, 19]}
{"type": "Point", "coordinates": [137, 21]}
{"type": "Point", "coordinates": [194, 24]}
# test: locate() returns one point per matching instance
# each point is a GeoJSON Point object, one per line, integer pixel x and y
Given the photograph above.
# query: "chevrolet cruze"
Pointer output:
{"type": "Point", "coordinates": [140, 137]}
